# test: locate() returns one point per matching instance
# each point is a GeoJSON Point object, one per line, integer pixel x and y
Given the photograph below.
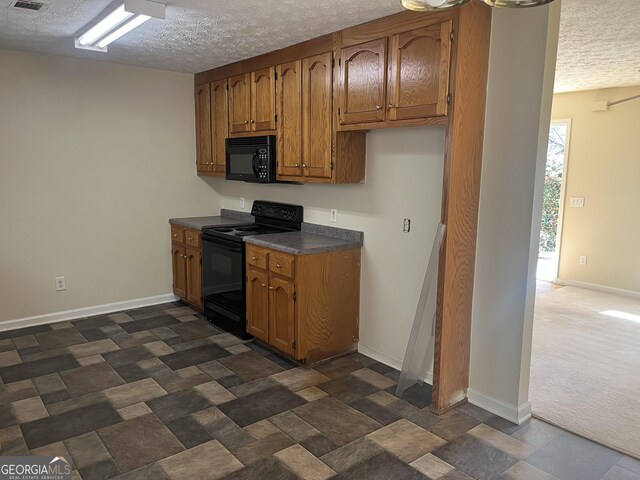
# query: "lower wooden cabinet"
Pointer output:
{"type": "Point", "coordinates": [186, 258]}
{"type": "Point", "coordinates": [305, 306]}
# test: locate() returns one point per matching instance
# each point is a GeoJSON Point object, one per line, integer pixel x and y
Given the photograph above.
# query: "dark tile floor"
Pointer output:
{"type": "Point", "coordinates": [158, 393]}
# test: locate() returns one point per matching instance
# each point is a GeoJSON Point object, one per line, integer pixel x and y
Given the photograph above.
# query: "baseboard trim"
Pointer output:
{"type": "Point", "coordinates": [388, 360]}
{"type": "Point", "coordinates": [598, 288]}
{"type": "Point", "coordinates": [505, 410]}
{"type": "Point", "coordinates": [85, 312]}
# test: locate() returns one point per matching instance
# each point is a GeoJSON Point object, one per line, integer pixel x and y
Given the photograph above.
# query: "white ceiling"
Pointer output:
{"type": "Point", "coordinates": [599, 39]}
{"type": "Point", "coordinates": [599, 44]}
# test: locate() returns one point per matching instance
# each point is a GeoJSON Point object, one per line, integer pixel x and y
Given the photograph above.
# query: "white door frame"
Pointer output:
{"type": "Point", "coordinates": [563, 192]}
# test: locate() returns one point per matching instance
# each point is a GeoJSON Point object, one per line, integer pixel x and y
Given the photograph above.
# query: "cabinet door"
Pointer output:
{"type": "Point", "coordinates": [194, 276]}
{"type": "Point", "coordinates": [239, 103]}
{"type": "Point", "coordinates": [316, 115]}
{"type": "Point", "coordinates": [263, 91]}
{"type": "Point", "coordinates": [289, 109]}
{"type": "Point", "coordinates": [281, 315]}
{"type": "Point", "coordinates": [257, 304]}
{"type": "Point", "coordinates": [203, 128]}
{"type": "Point", "coordinates": [178, 257]}
{"type": "Point", "coordinates": [363, 74]}
{"type": "Point", "coordinates": [419, 72]}
{"type": "Point", "coordinates": [219, 126]}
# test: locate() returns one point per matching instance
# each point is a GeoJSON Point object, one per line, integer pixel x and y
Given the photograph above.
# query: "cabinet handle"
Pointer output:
{"type": "Point", "coordinates": [190, 238]}
{"type": "Point", "coordinates": [270, 287]}
{"type": "Point", "coordinates": [175, 234]}
{"type": "Point", "coordinates": [296, 165]}
{"type": "Point", "coordinates": [254, 258]}
{"type": "Point", "coordinates": [264, 285]}
{"type": "Point", "coordinates": [278, 265]}
{"type": "Point", "coordinates": [253, 121]}
{"type": "Point", "coordinates": [304, 165]}
{"type": "Point", "coordinates": [391, 105]}
{"type": "Point", "coordinates": [378, 107]}
{"type": "Point", "coordinates": [246, 122]}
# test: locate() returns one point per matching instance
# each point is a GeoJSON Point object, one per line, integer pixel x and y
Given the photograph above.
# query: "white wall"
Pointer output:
{"type": "Point", "coordinates": [95, 158]}
{"type": "Point", "coordinates": [603, 168]}
{"type": "Point", "coordinates": [520, 85]}
{"type": "Point", "coordinates": [404, 179]}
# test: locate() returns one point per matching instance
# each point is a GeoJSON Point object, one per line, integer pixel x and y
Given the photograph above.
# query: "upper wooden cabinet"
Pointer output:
{"type": "Point", "coordinates": [407, 82]}
{"type": "Point", "coordinates": [304, 105]}
{"type": "Point", "coordinates": [212, 127]}
{"type": "Point", "coordinates": [419, 65]}
{"type": "Point", "coordinates": [364, 73]}
{"type": "Point", "coordinates": [240, 103]}
{"type": "Point", "coordinates": [263, 91]}
{"type": "Point", "coordinates": [252, 102]}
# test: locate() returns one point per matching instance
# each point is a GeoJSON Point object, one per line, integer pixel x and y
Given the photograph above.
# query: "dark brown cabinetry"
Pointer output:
{"type": "Point", "coordinates": [212, 126]}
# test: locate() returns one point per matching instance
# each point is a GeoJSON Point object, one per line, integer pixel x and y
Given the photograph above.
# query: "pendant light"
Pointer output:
{"type": "Point", "coordinates": [431, 5]}
{"type": "Point", "coordinates": [516, 3]}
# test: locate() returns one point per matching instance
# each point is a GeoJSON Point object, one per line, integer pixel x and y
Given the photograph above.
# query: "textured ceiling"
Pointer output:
{"type": "Point", "coordinates": [197, 34]}
{"type": "Point", "coordinates": [599, 44]}
{"type": "Point", "coordinates": [599, 39]}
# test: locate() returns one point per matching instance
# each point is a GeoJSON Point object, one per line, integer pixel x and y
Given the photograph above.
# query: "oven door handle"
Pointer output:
{"type": "Point", "coordinates": [254, 162]}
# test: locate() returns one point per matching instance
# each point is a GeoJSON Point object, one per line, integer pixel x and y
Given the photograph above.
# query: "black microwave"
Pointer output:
{"type": "Point", "coordinates": [252, 159]}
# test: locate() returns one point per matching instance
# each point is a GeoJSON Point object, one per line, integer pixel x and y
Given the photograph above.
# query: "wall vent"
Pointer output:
{"type": "Point", "coordinates": [28, 5]}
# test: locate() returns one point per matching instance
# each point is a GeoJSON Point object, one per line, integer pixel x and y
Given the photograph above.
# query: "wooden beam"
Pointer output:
{"type": "Point", "coordinates": [461, 192]}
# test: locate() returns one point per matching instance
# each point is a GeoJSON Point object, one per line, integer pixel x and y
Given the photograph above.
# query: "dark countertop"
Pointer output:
{"type": "Point", "coordinates": [201, 222]}
{"type": "Point", "coordinates": [301, 243]}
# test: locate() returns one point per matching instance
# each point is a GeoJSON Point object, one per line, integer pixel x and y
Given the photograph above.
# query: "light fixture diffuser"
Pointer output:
{"type": "Point", "coordinates": [516, 3]}
{"type": "Point", "coordinates": [431, 5]}
{"type": "Point", "coordinates": [118, 22]}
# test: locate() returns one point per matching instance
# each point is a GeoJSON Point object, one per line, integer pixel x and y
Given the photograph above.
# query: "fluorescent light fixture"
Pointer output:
{"type": "Point", "coordinates": [126, 28]}
{"type": "Point", "coordinates": [118, 22]}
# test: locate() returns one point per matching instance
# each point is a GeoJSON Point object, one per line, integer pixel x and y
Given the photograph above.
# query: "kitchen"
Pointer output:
{"type": "Point", "coordinates": [120, 182]}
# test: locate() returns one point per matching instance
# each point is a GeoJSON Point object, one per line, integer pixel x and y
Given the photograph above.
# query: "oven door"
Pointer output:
{"type": "Point", "coordinates": [223, 273]}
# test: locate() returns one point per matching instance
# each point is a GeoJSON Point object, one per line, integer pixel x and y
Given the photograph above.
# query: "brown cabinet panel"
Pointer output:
{"type": "Point", "coordinates": [203, 128]}
{"type": "Point", "coordinates": [363, 77]}
{"type": "Point", "coordinates": [317, 88]}
{"type": "Point", "coordinates": [219, 126]}
{"type": "Point", "coordinates": [281, 315]}
{"type": "Point", "coordinates": [239, 103]}
{"type": "Point", "coordinates": [289, 109]}
{"type": "Point", "coordinates": [194, 276]}
{"type": "Point", "coordinates": [419, 72]}
{"type": "Point", "coordinates": [263, 100]}
{"type": "Point", "coordinates": [178, 257]}
{"type": "Point", "coordinates": [257, 256]}
{"type": "Point", "coordinates": [281, 263]}
{"type": "Point", "coordinates": [192, 237]}
{"type": "Point", "coordinates": [258, 304]}
{"type": "Point", "coordinates": [177, 234]}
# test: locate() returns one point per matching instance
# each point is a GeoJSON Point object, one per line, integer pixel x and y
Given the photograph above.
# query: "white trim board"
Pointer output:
{"type": "Point", "coordinates": [86, 312]}
{"type": "Point", "coordinates": [598, 288]}
{"type": "Point", "coordinates": [498, 407]}
{"type": "Point", "coordinates": [505, 410]}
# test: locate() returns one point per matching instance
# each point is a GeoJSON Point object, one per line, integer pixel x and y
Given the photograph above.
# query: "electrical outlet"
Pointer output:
{"type": "Point", "coordinates": [241, 202]}
{"type": "Point", "coordinates": [334, 215]}
{"type": "Point", "coordinates": [583, 259]}
{"type": "Point", "coordinates": [60, 284]}
{"type": "Point", "coordinates": [576, 202]}
{"type": "Point", "coordinates": [406, 225]}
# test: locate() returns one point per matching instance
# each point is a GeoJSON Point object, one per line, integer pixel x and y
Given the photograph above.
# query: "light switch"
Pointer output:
{"type": "Point", "coordinates": [577, 202]}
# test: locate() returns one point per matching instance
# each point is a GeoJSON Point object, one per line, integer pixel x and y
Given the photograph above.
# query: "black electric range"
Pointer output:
{"type": "Point", "coordinates": [223, 261]}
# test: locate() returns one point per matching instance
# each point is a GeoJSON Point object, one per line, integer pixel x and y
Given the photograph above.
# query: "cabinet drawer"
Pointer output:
{"type": "Point", "coordinates": [281, 263]}
{"type": "Point", "coordinates": [192, 238]}
{"type": "Point", "coordinates": [258, 257]}
{"type": "Point", "coordinates": [177, 234]}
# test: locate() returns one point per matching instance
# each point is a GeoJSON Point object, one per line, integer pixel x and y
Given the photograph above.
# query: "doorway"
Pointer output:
{"type": "Point", "coordinates": [553, 201]}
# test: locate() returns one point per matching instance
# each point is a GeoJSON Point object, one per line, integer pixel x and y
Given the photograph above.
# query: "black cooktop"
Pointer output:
{"type": "Point", "coordinates": [242, 230]}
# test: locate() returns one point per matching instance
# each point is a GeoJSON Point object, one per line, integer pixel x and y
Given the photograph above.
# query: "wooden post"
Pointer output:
{"type": "Point", "coordinates": [461, 192]}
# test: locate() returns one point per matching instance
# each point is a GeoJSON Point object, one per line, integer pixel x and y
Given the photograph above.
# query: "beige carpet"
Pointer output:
{"type": "Point", "coordinates": [585, 367]}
